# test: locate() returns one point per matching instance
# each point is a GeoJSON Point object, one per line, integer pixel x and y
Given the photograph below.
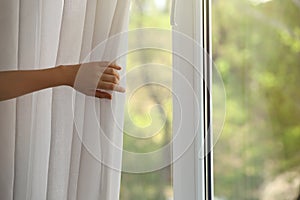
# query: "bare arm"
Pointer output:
{"type": "Point", "coordinates": [18, 83]}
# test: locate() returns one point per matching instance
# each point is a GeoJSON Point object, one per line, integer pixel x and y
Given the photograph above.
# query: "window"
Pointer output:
{"type": "Point", "coordinates": [256, 49]}
{"type": "Point", "coordinates": [148, 111]}
{"type": "Point", "coordinates": [168, 100]}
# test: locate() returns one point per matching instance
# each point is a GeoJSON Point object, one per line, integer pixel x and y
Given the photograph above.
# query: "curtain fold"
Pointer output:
{"type": "Point", "coordinates": [9, 20]}
{"type": "Point", "coordinates": [57, 143]}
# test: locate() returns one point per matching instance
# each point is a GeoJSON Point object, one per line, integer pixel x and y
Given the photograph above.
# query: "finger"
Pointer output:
{"type": "Point", "coordinates": [112, 71]}
{"type": "Point", "coordinates": [114, 66]}
{"type": "Point", "coordinates": [102, 95]}
{"type": "Point", "coordinates": [109, 78]}
{"type": "Point", "coordinates": [111, 86]}
{"type": "Point", "coordinates": [110, 64]}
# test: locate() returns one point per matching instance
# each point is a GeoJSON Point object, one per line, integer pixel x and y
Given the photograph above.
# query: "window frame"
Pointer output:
{"type": "Point", "coordinates": [208, 108]}
{"type": "Point", "coordinates": [192, 172]}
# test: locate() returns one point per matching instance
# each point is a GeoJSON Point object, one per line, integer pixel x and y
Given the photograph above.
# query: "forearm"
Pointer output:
{"type": "Point", "coordinates": [95, 79]}
{"type": "Point", "coordinates": [17, 83]}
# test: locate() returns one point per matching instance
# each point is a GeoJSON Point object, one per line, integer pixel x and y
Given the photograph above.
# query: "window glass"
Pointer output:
{"type": "Point", "coordinates": [256, 48]}
{"type": "Point", "coordinates": [148, 111]}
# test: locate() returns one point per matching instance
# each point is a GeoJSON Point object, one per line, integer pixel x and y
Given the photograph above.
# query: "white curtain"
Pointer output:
{"type": "Point", "coordinates": [56, 143]}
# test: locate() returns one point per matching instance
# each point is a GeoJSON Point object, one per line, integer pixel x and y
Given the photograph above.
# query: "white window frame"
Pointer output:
{"type": "Point", "coordinates": [192, 172]}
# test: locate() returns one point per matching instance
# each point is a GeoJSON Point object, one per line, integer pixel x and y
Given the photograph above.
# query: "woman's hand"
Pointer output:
{"type": "Point", "coordinates": [94, 78]}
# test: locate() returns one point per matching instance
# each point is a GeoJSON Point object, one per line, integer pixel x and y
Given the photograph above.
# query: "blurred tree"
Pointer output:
{"type": "Point", "coordinates": [153, 185]}
{"type": "Point", "coordinates": [256, 49]}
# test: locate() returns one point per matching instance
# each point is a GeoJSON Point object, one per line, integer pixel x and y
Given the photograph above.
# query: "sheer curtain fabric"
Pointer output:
{"type": "Point", "coordinates": [56, 143]}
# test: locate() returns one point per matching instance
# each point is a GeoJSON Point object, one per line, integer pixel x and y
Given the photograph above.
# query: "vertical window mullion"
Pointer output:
{"type": "Point", "coordinates": [192, 172]}
{"type": "Point", "coordinates": [207, 93]}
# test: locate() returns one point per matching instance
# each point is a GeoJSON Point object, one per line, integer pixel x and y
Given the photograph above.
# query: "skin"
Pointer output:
{"type": "Point", "coordinates": [17, 83]}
